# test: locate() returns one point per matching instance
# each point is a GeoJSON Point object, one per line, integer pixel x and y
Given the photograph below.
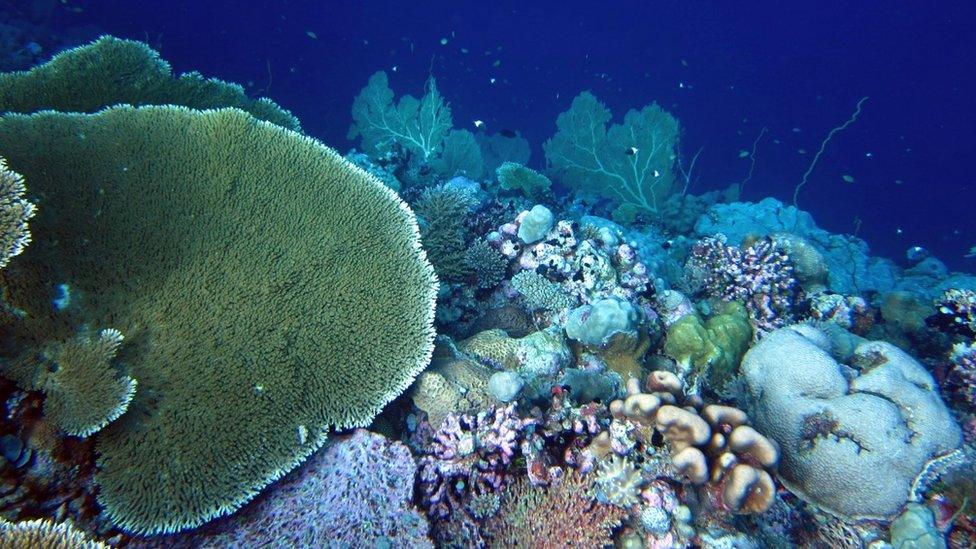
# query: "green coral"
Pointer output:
{"type": "Point", "coordinates": [269, 292]}
{"type": "Point", "coordinates": [84, 392]}
{"type": "Point", "coordinates": [632, 163]}
{"type": "Point", "coordinates": [442, 210]}
{"type": "Point", "coordinates": [485, 264]}
{"type": "Point", "coordinates": [516, 177]}
{"type": "Point", "coordinates": [713, 348]}
{"type": "Point", "coordinates": [460, 155]}
{"type": "Point", "coordinates": [541, 294]}
{"type": "Point", "coordinates": [418, 125]}
{"type": "Point", "coordinates": [111, 71]}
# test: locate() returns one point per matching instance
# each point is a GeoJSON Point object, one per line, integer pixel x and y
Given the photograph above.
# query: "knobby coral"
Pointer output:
{"type": "Point", "coordinates": [268, 290]}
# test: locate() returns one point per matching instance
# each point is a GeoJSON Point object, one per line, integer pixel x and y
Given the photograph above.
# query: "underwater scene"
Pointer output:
{"type": "Point", "coordinates": [452, 274]}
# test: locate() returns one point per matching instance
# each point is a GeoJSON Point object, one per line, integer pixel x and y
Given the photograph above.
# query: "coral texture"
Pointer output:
{"type": "Point", "coordinates": [853, 440]}
{"type": "Point", "coordinates": [44, 534]}
{"type": "Point", "coordinates": [355, 492]}
{"type": "Point", "coordinates": [549, 518]}
{"type": "Point", "coordinates": [255, 326]}
{"type": "Point", "coordinates": [111, 71]}
{"type": "Point", "coordinates": [15, 212]}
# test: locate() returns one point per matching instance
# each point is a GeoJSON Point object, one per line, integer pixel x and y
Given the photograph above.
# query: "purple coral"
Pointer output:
{"type": "Point", "coordinates": [469, 456]}
{"type": "Point", "coordinates": [760, 275]}
{"type": "Point", "coordinates": [354, 493]}
{"type": "Point", "coordinates": [963, 373]}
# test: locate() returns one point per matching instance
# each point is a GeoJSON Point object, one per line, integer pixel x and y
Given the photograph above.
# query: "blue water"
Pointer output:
{"type": "Point", "coordinates": [725, 69]}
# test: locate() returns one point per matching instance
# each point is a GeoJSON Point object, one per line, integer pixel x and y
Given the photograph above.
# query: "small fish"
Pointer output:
{"type": "Point", "coordinates": [506, 133]}
{"type": "Point", "coordinates": [443, 41]}
{"type": "Point", "coordinates": [632, 151]}
{"type": "Point", "coordinates": [797, 130]}
{"type": "Point", "coordinates": [394, 68]}
{"type": "Point", "coordinates": [868, 155]}
{"type": "Point", "coordinates": [311, 35]}
{"type": "Point", "coordinates": [899, 231]}
{"type": "Point", "coordinates": [497, 63]}
{"type": "Point", "coordinates": [899, 182]}
{"type": "Point", "coordinates": [684, 63]}
{"type": "Point", "coordinates": [743, 153]}
{"type": "Point", "coordinates": [491, 80]}
{"type": "Point", "coordinates": [657, 174]}
{"type": "Point", "coordinates": [776, 141]}
{"type": "Point", "coordinates": [847, 178]}
{"type": "Point", "coordinates": [916, 253]}
{"type": "Point", "coordinates": [479, 124]}
{"type": "Point", "coordinates": [667, 244]}
{"type": "Point", "coordinates": [972, 252]}
{"type": "Point", "coordinates": [464, 50]}
{"type": "Point", "coordinates": [801, 151]}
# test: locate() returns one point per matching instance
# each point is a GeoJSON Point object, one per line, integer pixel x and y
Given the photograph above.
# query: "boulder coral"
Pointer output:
{"type": "Point", "coordinates": [854, 437]}
{"type": "Point", "coordinates": [269, 291]}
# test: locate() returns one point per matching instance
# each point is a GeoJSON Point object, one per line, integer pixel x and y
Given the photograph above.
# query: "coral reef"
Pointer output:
{"type": "Point", "coordinates": [15, 212]}
{"type": "Point", "coordinates": [355, 492]}
{"type": "Point", "coordinates": [111, 71]}
{"type": "Point", "coordinates": [516, 177]}
{"type": "Point", "coordinates": [853, 439]}
{"type": "Point", "coordinates": [44, 534]}
{"type": "Point", "coordinates": [760, 275]}
{"type": "Point", "coordinates": [537, 518]}
{"type": "Point", "coordinates": [247, 339]}
{"type": "Point", "coordinates": [711, 349]}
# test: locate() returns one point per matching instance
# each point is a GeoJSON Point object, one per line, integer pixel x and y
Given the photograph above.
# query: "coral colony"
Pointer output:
{"type": "Point", "coordinates": [582, 356]}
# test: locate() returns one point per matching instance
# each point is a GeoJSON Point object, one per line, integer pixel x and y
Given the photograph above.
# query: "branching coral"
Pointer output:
{"type": "Point", "coordinates": [419, 125]}
{"type": "Point", "coordinates": [760, 275]}
{"type": "Point", "coordinates": [962, 359]}
{"type": "Point", "coordinates": [269, 290]}
{"type": "Point", "coordinates": [15, 212]}
{"type": "Point", "coordinates": [631, 163]}
{"type": "Point", "coordinates": [485, 264]}
{"type": "Point", "coordinates": [547, 518]}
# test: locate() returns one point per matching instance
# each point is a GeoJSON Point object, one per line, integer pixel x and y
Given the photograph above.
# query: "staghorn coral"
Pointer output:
{"type": "Point", "coordinates": [44, 534]}
{"type": "Point", "coordinates": [111, 71]}
{"type": "Point", "coordinates": [253, 329]}
{"type": "Point", "coordinates": [15, 212]}
{"type": "Point", "coordinates": [543, 518]}
{"type": "Point", "coordinates": [355, 492]}
{"type": "Point", "coordinates": [759, 275]}
{"type": "Point", "coordinates": [85, 392]}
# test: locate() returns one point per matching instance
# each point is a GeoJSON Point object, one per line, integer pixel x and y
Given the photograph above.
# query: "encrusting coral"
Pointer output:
{"type": "Point", "coordinates": [44, 534]}
{"type": "Point", "coordinates": [112, 71]}
{"type": "Point", "coordinates": [15, 212]}
{"type": "Point", "coordinates": [269, 291]}
{"type": "Point", "coordinates": [85, 393]}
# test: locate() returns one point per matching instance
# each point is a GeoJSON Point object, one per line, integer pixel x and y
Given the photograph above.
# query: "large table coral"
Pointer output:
{"type": "Point", "coordinates": [268, 291]}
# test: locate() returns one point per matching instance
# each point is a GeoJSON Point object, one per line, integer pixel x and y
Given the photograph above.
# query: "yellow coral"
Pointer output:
{"type": "Point", "coordinates": [494, 347]}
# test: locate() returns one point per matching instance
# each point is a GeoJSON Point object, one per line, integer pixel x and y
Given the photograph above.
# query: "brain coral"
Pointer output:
{"type": "Point", "coordinates": [111, 71]}
{"type": "Point", "coordinates": [268, 291]}
{"type": "Point", "coordinates": [853, 439]}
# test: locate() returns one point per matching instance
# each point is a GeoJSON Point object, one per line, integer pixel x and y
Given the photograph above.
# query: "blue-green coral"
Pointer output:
{"type": "Point", "coordinates": [632, 163]}
{"type": "Point", "coordinates": [269, 292]}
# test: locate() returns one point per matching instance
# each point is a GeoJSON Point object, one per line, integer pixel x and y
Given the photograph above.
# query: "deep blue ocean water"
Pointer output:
{"type": "Point", "coordinates": [725, 69]}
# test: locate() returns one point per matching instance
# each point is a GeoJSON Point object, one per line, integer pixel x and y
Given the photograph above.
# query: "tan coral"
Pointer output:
{"type": "Point", "coordinates": [450, 385]}
{"type": "Point", "coordinates": [14, 214]}
{"type": "Point", "coordinates": [494, 347]}
{"type": "Point", "coordinates": [714, 448]}
{"type": "Point", "coordinates": [44, 534]}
